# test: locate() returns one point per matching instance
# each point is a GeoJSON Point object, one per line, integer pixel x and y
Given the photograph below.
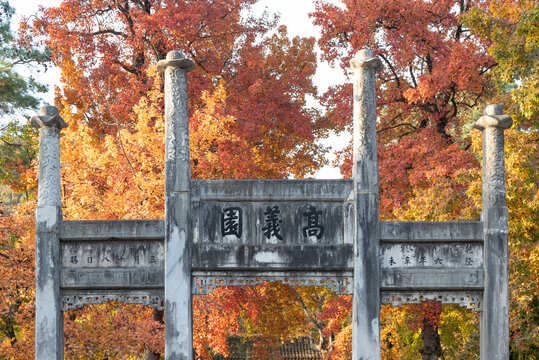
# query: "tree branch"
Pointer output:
{"type": "Point", "coordinates": [108, 31]}
{"type": "Point", "coordinates": [391, 68]}
{"type": "Point", "coordinates": [413, 77]}
{"type": "Point", "coordinates": [396, 126]}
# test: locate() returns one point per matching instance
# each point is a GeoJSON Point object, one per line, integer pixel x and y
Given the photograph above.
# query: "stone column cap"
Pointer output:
{"type": "Point", "coordinates": [175, 59]}
{"type": "Point", "coordinates": [48, 116]}
{"type": "Point", "coordinates": [493, 116]}
{"type": "Point", "coordinates": [366, 59]}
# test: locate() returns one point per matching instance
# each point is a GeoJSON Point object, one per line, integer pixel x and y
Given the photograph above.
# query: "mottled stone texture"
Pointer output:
{"type": "Point", "coordinates": [366, 297]}
{"type": "Point", "coordinates": [178, 303]}
{"type": "Point", "coordinates": [327, 231]}
{"type": "Point", "coordinates": [49, 331]}
{"type": "Point", "coordinates": [495, 315]}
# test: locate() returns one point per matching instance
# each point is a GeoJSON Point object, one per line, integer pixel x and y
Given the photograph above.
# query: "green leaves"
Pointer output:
{"type": "Point", "coordinates": [17, 91]}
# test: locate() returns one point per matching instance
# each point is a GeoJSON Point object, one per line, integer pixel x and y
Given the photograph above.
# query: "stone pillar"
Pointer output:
{"type": "Point", "coordinates": [49, 331]}
{"type": "Point", "coordinates": [366, 295]}
{"type": "Point", "coordinates": [178, 302]}
{"type": "Point", "coordinates": [495, 313]}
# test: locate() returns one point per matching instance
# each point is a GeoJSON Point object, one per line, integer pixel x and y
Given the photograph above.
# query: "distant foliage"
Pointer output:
{"type": "Point", "coordinates": [16, 91]}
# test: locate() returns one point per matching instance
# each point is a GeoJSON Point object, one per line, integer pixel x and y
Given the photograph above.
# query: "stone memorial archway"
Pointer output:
{"type": "Point", "coordinates": [243, 232]}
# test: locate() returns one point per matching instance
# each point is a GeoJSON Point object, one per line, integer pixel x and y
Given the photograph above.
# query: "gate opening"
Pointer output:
{"type": "Point", "coordinates": [272, 320]}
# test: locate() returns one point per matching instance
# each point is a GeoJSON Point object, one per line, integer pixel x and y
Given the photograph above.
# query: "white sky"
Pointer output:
{"type": "Point", "coordinates": [293, 13]}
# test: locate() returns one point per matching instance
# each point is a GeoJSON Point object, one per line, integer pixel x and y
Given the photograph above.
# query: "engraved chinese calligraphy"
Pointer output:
{"type": "Point", "coordinates": [273, 221]}
{"type": "Point", "coordinates": [232, 221]}
{"type": "Point", "coordinates": [431, 255]}
{"type": "Point", "coordinates": [313, 227]}
{"type": "Point", "coordinates": [112, 264]}
{"type": "Point", "coordinates": [268, 222]}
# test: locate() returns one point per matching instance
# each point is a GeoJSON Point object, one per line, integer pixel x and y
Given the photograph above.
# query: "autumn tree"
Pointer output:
{"type": "Point", "coordinates": [511, 27]}
{"type": "Point", "coordinates": [436, 75]}
{"type": "Point", "coordinates": [18, 94]}
{"type": "Point", "coordinates": [248, 120]}
{"type": "Point", "coordinates": [104, 49]}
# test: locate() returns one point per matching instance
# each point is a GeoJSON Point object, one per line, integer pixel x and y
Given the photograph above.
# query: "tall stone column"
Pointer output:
{"type": "Point", "coordinates": [495, 314]}
{"type": "Point", "coordinates": [49, 330]}
{"type": "Point", "coordinates": [366, 296]}
{"type": "Point", "coordinates": [178, 302]}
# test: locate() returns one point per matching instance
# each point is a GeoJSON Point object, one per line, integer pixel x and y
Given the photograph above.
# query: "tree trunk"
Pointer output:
{"type": "Point", "coordinates": [432, 348]}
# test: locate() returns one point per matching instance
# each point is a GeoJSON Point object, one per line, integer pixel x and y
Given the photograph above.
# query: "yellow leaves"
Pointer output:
{"type": "Point", "coordinates": [118, 174]}
{"type": "Point", "coordinates": [212, 136]}
{"type": "Point", "coordinates": [459, 331]}
{"type": "Point", "coordinates": [512, 28]}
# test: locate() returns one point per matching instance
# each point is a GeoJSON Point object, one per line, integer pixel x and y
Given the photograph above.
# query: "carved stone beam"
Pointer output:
{"type": "Point", "coordinates": [49, 331]}
{"type": "Point", "coordinates": [495, 315]}
{"type": "Point", "coordinates": [178, 301]}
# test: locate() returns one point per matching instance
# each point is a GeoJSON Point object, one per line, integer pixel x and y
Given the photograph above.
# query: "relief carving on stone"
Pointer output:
{"type": "Point", "coordinates": [364, 65]}
{"type": "Point", "coordinates": [49, 122]}
{"type": "Point", "coordinates": [492, 124]}
{"type": "Point", "coordinates": [176, 67]}
{"type": "Point", "coordinates": [205, 284]}
{"type": "Point", "coordinates": [469, 300]}
{"type": "Point", "coordinates": [153, 299]}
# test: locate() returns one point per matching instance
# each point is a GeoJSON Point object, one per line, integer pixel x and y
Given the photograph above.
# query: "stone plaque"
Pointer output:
{"type": "Point", "coordinates": [272, 225]}
{"type": "Point", "coordinates": [270, 222]}
{"type": "Point", "coordinates": [415, 266]}
{"type": "Point", "coordinates": [436, 256]}
{"type": "Point", "coordinates": [112, 264]}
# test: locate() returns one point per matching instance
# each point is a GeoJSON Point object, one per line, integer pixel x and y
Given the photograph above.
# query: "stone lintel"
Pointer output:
{"type": "Point", "coordinates": [175, 59]}
{"type": "Point", "coordinates": [49, 116]}
{"type": "Point", "coordinates": [365, 59]}
{"type": "Point", "coordinates": [431, 232]}
{"type": "Point", "coordinates": [305, 190]}
{"type": "Point", "coordinates": [94, 230]}
{"type": "Point", "coordinates": [493, 116]}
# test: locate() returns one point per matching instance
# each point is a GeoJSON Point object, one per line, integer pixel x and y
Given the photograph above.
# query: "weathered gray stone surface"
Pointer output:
{"type": "Point", "coordinates": [178, 304]}
{"type": "Point", "coordinates": [245, 232]}
{"type": "Point", "coordinates": [112, 264]}
{"type": "Point", "coordinates": [431, 231]}
{"type": "Point", "coordinates": [495, 315]}
{"type": "Point", "coordinates": [49, 330]}
{"type": "Point", "coordinates": [112, 254]}
{"type": "Point", "coordinates": [72, 298]}
{"type": "Point", "coordinates": [309, 221]}
{"type": "Point", "coordinates": [112, 278]}
{"type": "Point", "coordinates": [492, 124]}
{"type": "Point", "coordinates": [444, 280]}
{"type": "Point", "coordinates": [340, 282]}
{"type": "Point", "coordinates": [366, 297]}
{"type": "Point", "coordinates": [431, 256]}
{"type": "Point", "coordinates": [472, 299]}
{"type": "Point", "coordinates": [414, 256]}
{"type": "Point", "coordinates": [272, 190]}
{"type": "Point", "coordinates": [112, 229]}
{"type": "Point", "coordinates": [267, 257]}
{"type": "Point", "coordinates": [294, 222]}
